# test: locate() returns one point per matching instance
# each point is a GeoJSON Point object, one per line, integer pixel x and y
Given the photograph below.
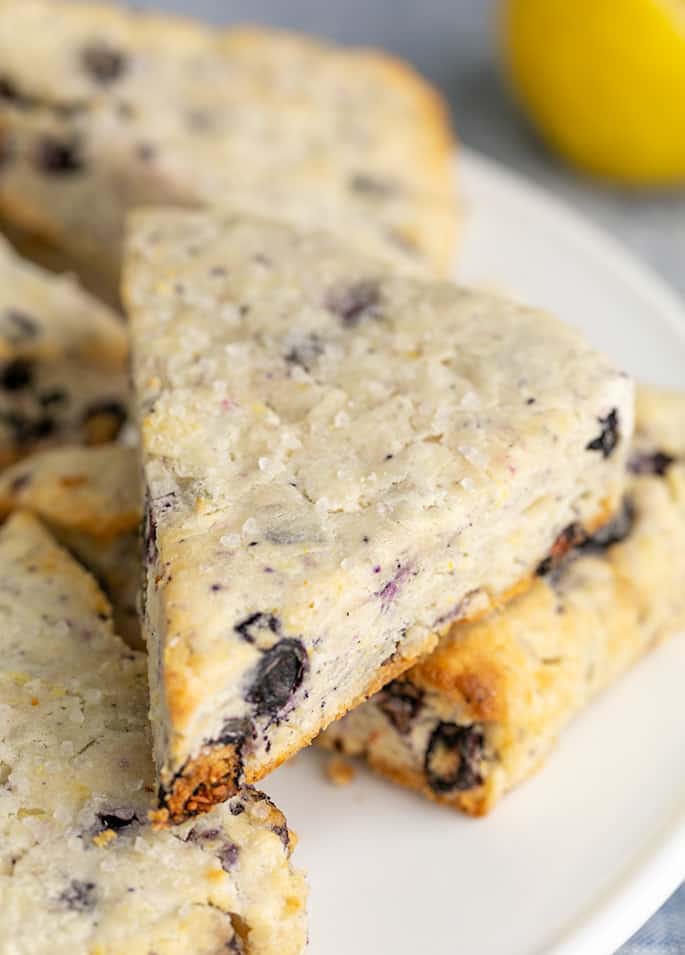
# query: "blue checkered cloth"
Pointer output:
{"type": "Point", "coordinates": [664, 934]}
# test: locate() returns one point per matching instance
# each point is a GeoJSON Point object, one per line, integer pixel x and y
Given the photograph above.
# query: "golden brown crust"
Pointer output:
{"type": "Point", "coordinates": [91, 491]}
{"type": "Point", "coordinates": [209, 778]}
{"type": "Point", "coordinates": [471, 677]}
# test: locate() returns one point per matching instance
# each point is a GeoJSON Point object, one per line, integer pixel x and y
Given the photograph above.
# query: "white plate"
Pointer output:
{"type": "Point", "coordinates": [576, 859]}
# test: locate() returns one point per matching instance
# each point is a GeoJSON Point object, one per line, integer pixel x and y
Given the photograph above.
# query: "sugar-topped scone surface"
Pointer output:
{"type": "Point", "coordinates": [90, 500]}
{"type": "Point", "coordinates": [483, 711]}
{"type": "Point", "coordinates": [82, 870]}
{"type": "Point", "coordinates": [103, 109]}
{"type": "Point", "coordinates": [339, 461]}
{"type": "Point", "coordinates": [63, 362]}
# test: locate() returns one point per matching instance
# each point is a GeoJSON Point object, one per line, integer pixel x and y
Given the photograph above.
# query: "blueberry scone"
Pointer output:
{"type": "Point", "coordinates": [63, 362]}
{"type": "Point", "coordinates": [102, 109]}
{"type": "Point", "coordinates": [90, 500]}
{"type": "Point", "coordinates": [484, 710]}
{"type": "Point", "coordinates": [339, 461]}
{"type": "Point", "coordinates": [81, 868]}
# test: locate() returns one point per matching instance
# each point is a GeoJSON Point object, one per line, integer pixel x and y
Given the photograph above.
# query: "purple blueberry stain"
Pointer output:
{"type": "Point", "coordinates": [389, 592]}
{"type": "Point", "coordinates": [103, 63]}
{"type": "Point", "coordinates": [352, 303]}
{"type": "Point", "coordinates": [20, 482]}
{"type": "Point", "coordinates": [79, 896]}
{"type": "Point", "coordinates": [228, 856]}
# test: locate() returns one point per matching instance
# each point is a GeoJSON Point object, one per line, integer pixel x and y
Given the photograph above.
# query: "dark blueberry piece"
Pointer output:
{"type": "Point", "coordinates": [571, 536]}
{"type": "Point", "coordinates": [657, 463]}
{"type": "Point", "coordinates": [203, 835]}
{"type": "Point", "coordinates": [228, 856]}
{"type": "Point", "coordinates": [615, 531]}
{"type": "Point", "coordinates": [55, 396]}
{"type": "Point", "coordinates": [8, 91]}
{"type": "Point", "coordinates": [117, 819]}
{"type": "Point", "coordinates": [453, 757]}
{"type": "Point", "coordinates": [59, 156]}
{"type": "Point", "coordinates": [103, 421]}
{"type": "Point", "coordinates": [353, 302]}
{"type": "Point", "coordinates": [372, 185]}
{"type": "Point", "coordinates": [16, 326]}
{"type": "Point", "coordinates": [283, 834]}
{"type": "Point", "coordinates": [609, 436]}
{"type": "Point", "coordinates": [250, 627]}
{"type": "Point", "coordinates": [79, 896]}
{"type": "Point", "coordinates": [236, 808]}
{"type": "Point", "coordinates": [305, 352]}
{"type": "Point", "coordinates": [17, 374]}
{"type": "Point", "coordinates": [103, 62]}
{"type": "Point", "coordinates": [401, 702]}
{"type": "Point", "coordinates": [234, 731]}
{"type": "Point", "coordinates": [279, 674]}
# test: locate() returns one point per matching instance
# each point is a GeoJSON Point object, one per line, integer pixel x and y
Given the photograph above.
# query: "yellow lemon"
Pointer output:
{"type": "Point", "coordinates": [604, 82]}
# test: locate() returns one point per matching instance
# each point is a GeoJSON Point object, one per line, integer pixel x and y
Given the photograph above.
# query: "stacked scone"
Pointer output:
{"type": "Point", "coordinates": [410, 515]}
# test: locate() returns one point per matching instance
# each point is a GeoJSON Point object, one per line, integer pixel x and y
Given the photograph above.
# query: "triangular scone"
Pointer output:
{"type": "Point", "coordinates": [102, 109]}
{"type": "Point", "coordinates": [484, 710]}
{"type": "Point", "coordinates": [90, 500]}
{"type": "Point", "coordinates": [63, 362]}
{"type": "Point", "coordinates": [339, 462]}
{"type": "Point", "coordinates": [81, 868]}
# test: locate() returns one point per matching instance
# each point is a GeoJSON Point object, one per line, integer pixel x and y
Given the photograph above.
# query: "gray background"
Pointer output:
{"type": "Point", "coordinates": [454, 42]}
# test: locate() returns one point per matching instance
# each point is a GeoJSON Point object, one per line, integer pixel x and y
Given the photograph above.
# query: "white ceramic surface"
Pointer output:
{"type": "Point", "coordinates": [577, 858]}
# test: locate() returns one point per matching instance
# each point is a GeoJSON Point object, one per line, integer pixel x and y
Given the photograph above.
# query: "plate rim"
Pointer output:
{"type": "Point", "coordinates": [630, 901]}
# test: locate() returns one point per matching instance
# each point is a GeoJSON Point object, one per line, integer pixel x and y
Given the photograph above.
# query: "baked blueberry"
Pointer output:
{"type": "Point", "coordinates": [279, 674]}
{"type": "Point", "coordinates": [608, 438]}
{"type": "Point", "coordinates": [453, 757]}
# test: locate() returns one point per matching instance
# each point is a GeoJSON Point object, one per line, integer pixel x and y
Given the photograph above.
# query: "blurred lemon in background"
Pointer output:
{"type": "Point", "coordinates": [604, 82]}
